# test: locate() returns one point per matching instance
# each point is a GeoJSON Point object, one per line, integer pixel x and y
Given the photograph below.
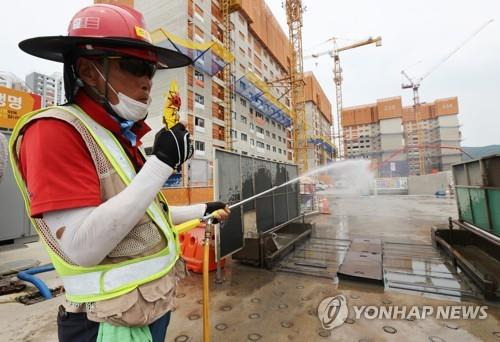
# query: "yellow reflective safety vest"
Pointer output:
{"type": "Point", "coordinates": [100, 282]}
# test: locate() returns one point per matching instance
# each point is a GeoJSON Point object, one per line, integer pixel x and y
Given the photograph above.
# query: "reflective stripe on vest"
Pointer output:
{"type": "Point", "coordinates": [83, 284]}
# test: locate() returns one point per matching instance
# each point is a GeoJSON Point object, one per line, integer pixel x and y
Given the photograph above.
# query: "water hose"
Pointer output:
{"type": "Point", "coordinates": [28, 276]}
{"type": "Point", "coordinates": [206, 284]}
{"type": "Point", "coordinates": [208, 219]}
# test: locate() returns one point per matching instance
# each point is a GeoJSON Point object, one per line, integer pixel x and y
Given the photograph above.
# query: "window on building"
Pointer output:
{"type": "Point", "coordinates": [274, 148]}
{"type": "Point", "coordinates": [199, 76]}
{"type": "Point", "coordinates": [274, 136]}
{"type": "Point", "coordinates": [252, 142]}
{"type": "Point", "coordinates": [199, 99]}
{"type": "Point", "coordinates": [279, 138]}
{"type": "Point", "coordinates": [260, 144]}
{"type": "Point", "coordinates": [244, 137]}
{"type": "Point", "coordinates": [259, 115]}
{"type": "Point", "coordinates": [267, 133]}
{"type": "Point", "coordinates": [267, 120]}
{"type": "Point", "coordinates": [243, 119]}
{"type": "Point", "coordinates": [251, 126]}
{"type": "Point", "coordinates": [234, 134]}
{"type": "Point", "coordinates": [251, 110]}
{"type": "Point", "coordinates": [199, 147]}
{"type": "Point", "coordinates": [243, 102]}
{"type": "Point", "coordinates": [199, 122]}
{"type": "Point", "coordinates": [259, 130]}
{"type": "Point", "coordinates": [273, 123]}
{"type": "Point", "coordinates": [268, 147]}
{"type": "Point", "coordinates": [234, 115]}
{"type": "Point", "coordinates": [279, 150]}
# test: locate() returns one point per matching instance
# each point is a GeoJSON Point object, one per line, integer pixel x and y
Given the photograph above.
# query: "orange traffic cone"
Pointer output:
{"type": "Point", "coordinates": [324, 208]}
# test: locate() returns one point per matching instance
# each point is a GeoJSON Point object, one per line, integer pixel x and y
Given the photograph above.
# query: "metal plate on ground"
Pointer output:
{"type": "Point", "coordinates": [421, 268]}
{"type": "Point", "coordinates": [366, 246]}
{"type": "Point", "coordinates": [363, 261]}
{"type": "Point", "coordinates": [317, 257]}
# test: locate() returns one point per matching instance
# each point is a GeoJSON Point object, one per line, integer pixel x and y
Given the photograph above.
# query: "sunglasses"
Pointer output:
{"type": "Point", "coordinates": [136, 67]}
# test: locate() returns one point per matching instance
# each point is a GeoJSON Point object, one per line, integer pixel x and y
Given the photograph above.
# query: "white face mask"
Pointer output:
{"type": "Point", "coordinates": [128, 108]}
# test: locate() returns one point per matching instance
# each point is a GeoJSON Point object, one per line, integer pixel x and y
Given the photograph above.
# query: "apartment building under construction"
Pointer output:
{"type": "Point", "coordinates": [259, 56]}
{"type": "Point", "coordinates": [320, 149]}
{"type": "Point", "coordinates": [389, 135]}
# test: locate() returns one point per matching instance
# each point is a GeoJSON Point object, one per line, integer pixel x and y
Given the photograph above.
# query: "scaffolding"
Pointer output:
{"type": "Point", "coordinates": [294, 20]}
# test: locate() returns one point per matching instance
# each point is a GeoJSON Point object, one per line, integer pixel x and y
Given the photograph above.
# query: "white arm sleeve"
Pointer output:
{"type": "Point", "coordinates": [185, 213]}
{"type": "Point", "coordinates": [90, 233]}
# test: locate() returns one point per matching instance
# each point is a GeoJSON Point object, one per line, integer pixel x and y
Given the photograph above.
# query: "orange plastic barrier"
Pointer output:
{"type": "Point", "coordinates": [324, 208]}
{"type": "Point", "coordinates": [192, 250]}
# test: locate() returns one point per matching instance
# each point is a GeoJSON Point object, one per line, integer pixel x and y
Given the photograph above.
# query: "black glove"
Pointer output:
{"type": "Point", "coordinates": [213, 206]}
{"type": "Point", "coordinates": [173, 146]}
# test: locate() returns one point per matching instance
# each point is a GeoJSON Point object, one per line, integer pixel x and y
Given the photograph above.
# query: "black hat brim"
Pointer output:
{"type": "Point", "coordinates": [59, 48]}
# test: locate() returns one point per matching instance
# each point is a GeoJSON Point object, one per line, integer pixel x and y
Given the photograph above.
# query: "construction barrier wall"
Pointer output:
{"type": "Point", "coordinates": [430, 184]}
{"type": "Point", "coordinates": [477, 189]}
{"type": "Point", "coordinates": [240, 177]}
{"type": "Point", "coordinates": [15, 225]}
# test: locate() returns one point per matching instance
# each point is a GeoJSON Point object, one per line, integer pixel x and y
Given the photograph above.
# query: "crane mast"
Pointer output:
{"type": "Point", "coordinates": [337, 79]}
{"type": "Point", "coordinates": [415, 86]}
{"type": "Point", "coordinates": [294, 20]}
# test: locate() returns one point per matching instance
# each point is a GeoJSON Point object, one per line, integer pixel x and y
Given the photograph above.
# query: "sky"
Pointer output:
{"type": "Point", "coordinates": [416, 35]}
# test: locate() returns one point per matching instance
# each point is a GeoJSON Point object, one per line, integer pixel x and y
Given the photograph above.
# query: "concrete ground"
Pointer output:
{"type": "Point", "coordinates": [261, 305]}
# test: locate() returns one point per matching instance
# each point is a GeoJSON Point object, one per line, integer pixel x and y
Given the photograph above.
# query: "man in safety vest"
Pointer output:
{"type": "Point", "coordinates": [93, 198]}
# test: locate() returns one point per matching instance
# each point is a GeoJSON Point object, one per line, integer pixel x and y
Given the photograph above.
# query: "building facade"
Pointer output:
{"type": "Point", "coordinates": [320, 147]}
{"type": "Point", "coordinates": [261, 120]}
{"type": "Point", "coordinates": [9, 80]}
{"type": "Point", "coordinates": [388, 134]}
{"type": "Point", "coordinates": [50, 88]}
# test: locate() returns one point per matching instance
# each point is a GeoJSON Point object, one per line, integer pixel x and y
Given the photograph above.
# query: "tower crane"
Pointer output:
{"type": "Point", "coordinates": [337, 77]}
{"type": "Point", "coordinates": [415, 85]}
{"type": "Point", "coordinates": [294, 12]}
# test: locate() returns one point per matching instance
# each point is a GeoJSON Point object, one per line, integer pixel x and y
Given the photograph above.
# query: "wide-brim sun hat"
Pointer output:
{"type": "Point", "coordinates": [105, 28]}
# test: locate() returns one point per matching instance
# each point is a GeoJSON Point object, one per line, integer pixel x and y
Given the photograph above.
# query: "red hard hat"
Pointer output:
{"type": "Point", "coordinates": [104, 30]}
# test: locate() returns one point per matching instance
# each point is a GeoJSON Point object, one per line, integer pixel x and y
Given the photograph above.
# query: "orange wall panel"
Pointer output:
{"type": "Point", "coordinates": [447, 106]}
{"type": "Point", "coordinates": [389, 108]}
{"type": "Point", "coordinates": [266, 28]}
{"type": "Point", "coordinates": [363, 116]}
{"type": "Point", "coordinates": [314, 93]}
{"type": "Point", "coordinates": [187, 196]}
{"type": "Point", "coordinates": [408, 114]}
{"type": "Point", "coordinates": [347, 117]}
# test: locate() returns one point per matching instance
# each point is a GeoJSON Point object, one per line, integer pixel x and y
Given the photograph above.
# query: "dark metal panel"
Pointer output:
{"type": "Point", "coordinates": [265, 215]}
{"type": "Point", "coordinates": [230, 235]}
{"type": "Point", "coordinates": [280, 209]}
{"type": "Point", "coordinates": [247, 182]}
{"type": "Point", "coordinates": [293, 205]}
